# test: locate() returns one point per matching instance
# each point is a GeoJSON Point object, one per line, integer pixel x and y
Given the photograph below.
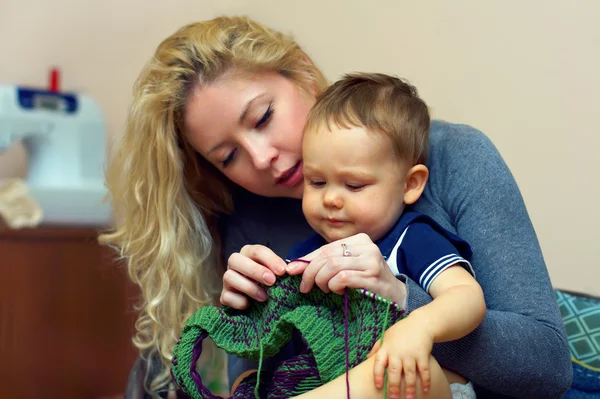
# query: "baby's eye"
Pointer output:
{"type": "Point", "coordinates": [316, 183]}
{"type": "Point", "coordinates": [355, 187]}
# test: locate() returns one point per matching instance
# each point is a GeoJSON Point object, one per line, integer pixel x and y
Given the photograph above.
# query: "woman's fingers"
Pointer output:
{"type": "Point", "coordinates": [236, 282]}
{"type": "Point", "coordinates": [234, 300]}
{"type": "Point", "coordinates": [249, 268]}
{"type": "Point", "coordinates": [297, 266]}
{"type": "Point", "coordinates": [265, 257]}
{"type": "Point", "coordinates": [349, 279]}
{"type": "Point", "coordinates": [336, 248]}
{"type": "Point", "coordinates": [322, 269]}
{"type": "Point", "coordinates": [337, 274]}
{"type": "Point", "coordinates": [344, 263]}
{"type": "Point", "coordinates": [309, 274]}
{"type": "Point", "coordinates": [255, 267]}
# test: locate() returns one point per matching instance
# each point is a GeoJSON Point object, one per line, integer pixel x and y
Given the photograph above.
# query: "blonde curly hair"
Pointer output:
{"type": "Point", "coordinates": [166, 198]}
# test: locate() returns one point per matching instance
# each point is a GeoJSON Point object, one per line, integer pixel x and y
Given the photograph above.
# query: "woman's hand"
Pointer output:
{"type": "Point", "coordinates": [362, 266]}
{"type": "Point", "coordinates": [253, 265]}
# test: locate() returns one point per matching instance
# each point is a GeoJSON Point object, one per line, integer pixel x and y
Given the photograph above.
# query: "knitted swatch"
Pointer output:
{"type": "Point", "coordinates": [339, 332]}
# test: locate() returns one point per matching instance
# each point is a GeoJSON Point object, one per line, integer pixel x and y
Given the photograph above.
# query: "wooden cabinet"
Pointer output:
{"type": "Point", "coordinates": [66, 315]}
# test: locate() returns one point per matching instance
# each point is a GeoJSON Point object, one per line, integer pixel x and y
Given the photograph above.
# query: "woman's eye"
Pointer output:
{"type": "Point", "coordinates": [229, 158]}
{"type": "Point", "coordinates": [355, 187]}
{"type": "Point", "coordinates": [317, 183]}
{"type": "Point", "coordinates": [266, 116]}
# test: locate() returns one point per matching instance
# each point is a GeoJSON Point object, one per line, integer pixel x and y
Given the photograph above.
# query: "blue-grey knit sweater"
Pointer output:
{"type": "Point", "coordinates": [520, 350]}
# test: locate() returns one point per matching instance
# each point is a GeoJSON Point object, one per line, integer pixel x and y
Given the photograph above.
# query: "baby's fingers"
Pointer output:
{"type": "Point", "coordinates": [394, 377]}
{"type": "Point", "coordinates": [410, 377]}
{"type": "Point", "coordinates": [381, 362]}
{"type": "Point", "coordinates": [423, 365]}
{"type": "Point", "coordinates": [374, 349]}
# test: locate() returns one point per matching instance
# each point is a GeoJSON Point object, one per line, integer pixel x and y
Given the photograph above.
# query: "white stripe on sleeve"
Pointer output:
{"type": "Point", "coordinates": [433, 270]}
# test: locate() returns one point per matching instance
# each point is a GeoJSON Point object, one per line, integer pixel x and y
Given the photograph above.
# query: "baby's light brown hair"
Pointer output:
{"type": "Point", "coordinates": [381, 104]}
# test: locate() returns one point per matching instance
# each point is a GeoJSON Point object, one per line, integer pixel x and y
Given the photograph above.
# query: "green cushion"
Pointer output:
{"type": "Point", "coordinates": [581, 317]}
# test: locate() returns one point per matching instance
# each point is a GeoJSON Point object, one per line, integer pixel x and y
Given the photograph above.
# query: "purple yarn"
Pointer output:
{"type": "Point", "coordinates": [346, 340]}
{"type": "Point", "coordinates": [346, 332]}
{"type": "Point", "coordinates": [194, 372]}
{"type": "Point", "coordinates": [292, 373]}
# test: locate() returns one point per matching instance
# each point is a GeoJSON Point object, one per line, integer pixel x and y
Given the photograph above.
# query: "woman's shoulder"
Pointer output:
{"type": "Point", "coordinates": [446, 136]}
{"type": "Point", "coordinates": [462, 161]}
{"type": "Point", "coordinates": [454, 147]}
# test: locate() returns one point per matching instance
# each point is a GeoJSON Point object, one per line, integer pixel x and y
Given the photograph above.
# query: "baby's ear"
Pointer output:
{"type": "Point", "coordinates": [416, 178]}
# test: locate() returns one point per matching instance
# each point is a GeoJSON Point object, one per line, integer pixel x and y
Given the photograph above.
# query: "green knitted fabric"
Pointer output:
{"type": "Point", "coordinates": [268, 326]}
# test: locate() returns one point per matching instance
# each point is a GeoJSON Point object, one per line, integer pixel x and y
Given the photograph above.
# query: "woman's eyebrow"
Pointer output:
{"type": "Point", "coordinates": [248, 105]}
{"type": "Point", "coordinates": [242, 117]}
{"type": "Point", "coordinates": [213, 148]}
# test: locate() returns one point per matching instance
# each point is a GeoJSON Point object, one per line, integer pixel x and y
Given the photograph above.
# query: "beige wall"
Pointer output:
{"type": "Point", "coordinates": [526, 73]}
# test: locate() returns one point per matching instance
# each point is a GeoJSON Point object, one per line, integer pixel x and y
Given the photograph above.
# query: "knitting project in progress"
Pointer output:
{"type": "Point", "coordinates": [339, 331]}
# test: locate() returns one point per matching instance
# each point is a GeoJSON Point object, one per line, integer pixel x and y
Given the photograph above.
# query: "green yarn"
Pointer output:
{"type": "Point", "coordinates": [385, 375]}
{"type": "Point", "coordinates": [263, 329]}
{"type": "Point", "coordinates": [260, 361]}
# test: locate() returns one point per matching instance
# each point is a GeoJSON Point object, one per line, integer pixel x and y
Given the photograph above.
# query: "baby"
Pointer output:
{"type": "Point", "coordinates": [364, 152]}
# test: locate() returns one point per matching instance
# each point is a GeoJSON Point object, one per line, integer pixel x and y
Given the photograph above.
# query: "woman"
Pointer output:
{"type": "Point", "coordinates": [210, 161]}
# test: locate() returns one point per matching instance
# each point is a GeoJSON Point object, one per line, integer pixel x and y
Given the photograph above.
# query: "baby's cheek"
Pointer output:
{"type": "Point", "coordinates": [373, 222]}
{"type": "Point", "coordinates": [368, 212]}
{"type": "Point", "coordinates": [311, 214]}
{"type": "Point", "coordinates": [308, 207]}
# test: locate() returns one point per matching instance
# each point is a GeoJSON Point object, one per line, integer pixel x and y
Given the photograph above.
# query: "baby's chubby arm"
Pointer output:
{"type": "Point", "coordinates": [458, 305]}
{"type": "Point", "coordinates": [457, 309]}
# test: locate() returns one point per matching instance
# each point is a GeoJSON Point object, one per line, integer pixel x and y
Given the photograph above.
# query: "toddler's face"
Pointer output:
{"type": "Point", "coordinates": [353, 183]}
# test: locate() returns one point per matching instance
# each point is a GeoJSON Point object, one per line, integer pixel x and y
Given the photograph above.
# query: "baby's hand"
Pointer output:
{"type": "Point", "coordinates": [405, 351]}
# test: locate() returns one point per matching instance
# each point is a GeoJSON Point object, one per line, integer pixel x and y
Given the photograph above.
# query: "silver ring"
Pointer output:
{"type": "Point", "coordinates": [346, 250]}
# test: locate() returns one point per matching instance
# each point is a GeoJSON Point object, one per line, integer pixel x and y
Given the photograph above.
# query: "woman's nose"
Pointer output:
{"type": "Point", "coordinates": [262, 152]}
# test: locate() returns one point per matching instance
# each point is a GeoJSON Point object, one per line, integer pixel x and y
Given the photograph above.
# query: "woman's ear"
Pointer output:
{"type": "Point", "coordinates": [414, 184]}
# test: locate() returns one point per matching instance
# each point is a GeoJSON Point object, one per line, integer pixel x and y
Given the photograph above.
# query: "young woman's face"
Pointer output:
{"type": "Point", "coordinates": [250, 128]}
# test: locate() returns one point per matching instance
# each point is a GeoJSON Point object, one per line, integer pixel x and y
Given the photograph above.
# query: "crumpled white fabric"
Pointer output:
{"type": "Point", "coordinates": [463, 391]}
{"type": "Point", "coordinates": [17, 208]}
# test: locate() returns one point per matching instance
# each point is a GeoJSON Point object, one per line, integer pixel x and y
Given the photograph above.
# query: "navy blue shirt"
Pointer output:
{"type": "Point", "coordinates": [416, 246]}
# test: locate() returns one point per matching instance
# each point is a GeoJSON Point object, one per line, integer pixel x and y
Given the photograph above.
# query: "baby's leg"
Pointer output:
{"type": "Point", "coordinates": [362, 384]}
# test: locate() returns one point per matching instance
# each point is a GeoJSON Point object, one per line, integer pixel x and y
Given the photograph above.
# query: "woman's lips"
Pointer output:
{"type": "Point", "coordinates": [292, 176]}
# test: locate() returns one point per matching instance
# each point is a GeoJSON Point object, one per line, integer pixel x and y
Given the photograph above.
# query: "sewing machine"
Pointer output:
{"type": "Point", "coordinates": [64, 134]}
